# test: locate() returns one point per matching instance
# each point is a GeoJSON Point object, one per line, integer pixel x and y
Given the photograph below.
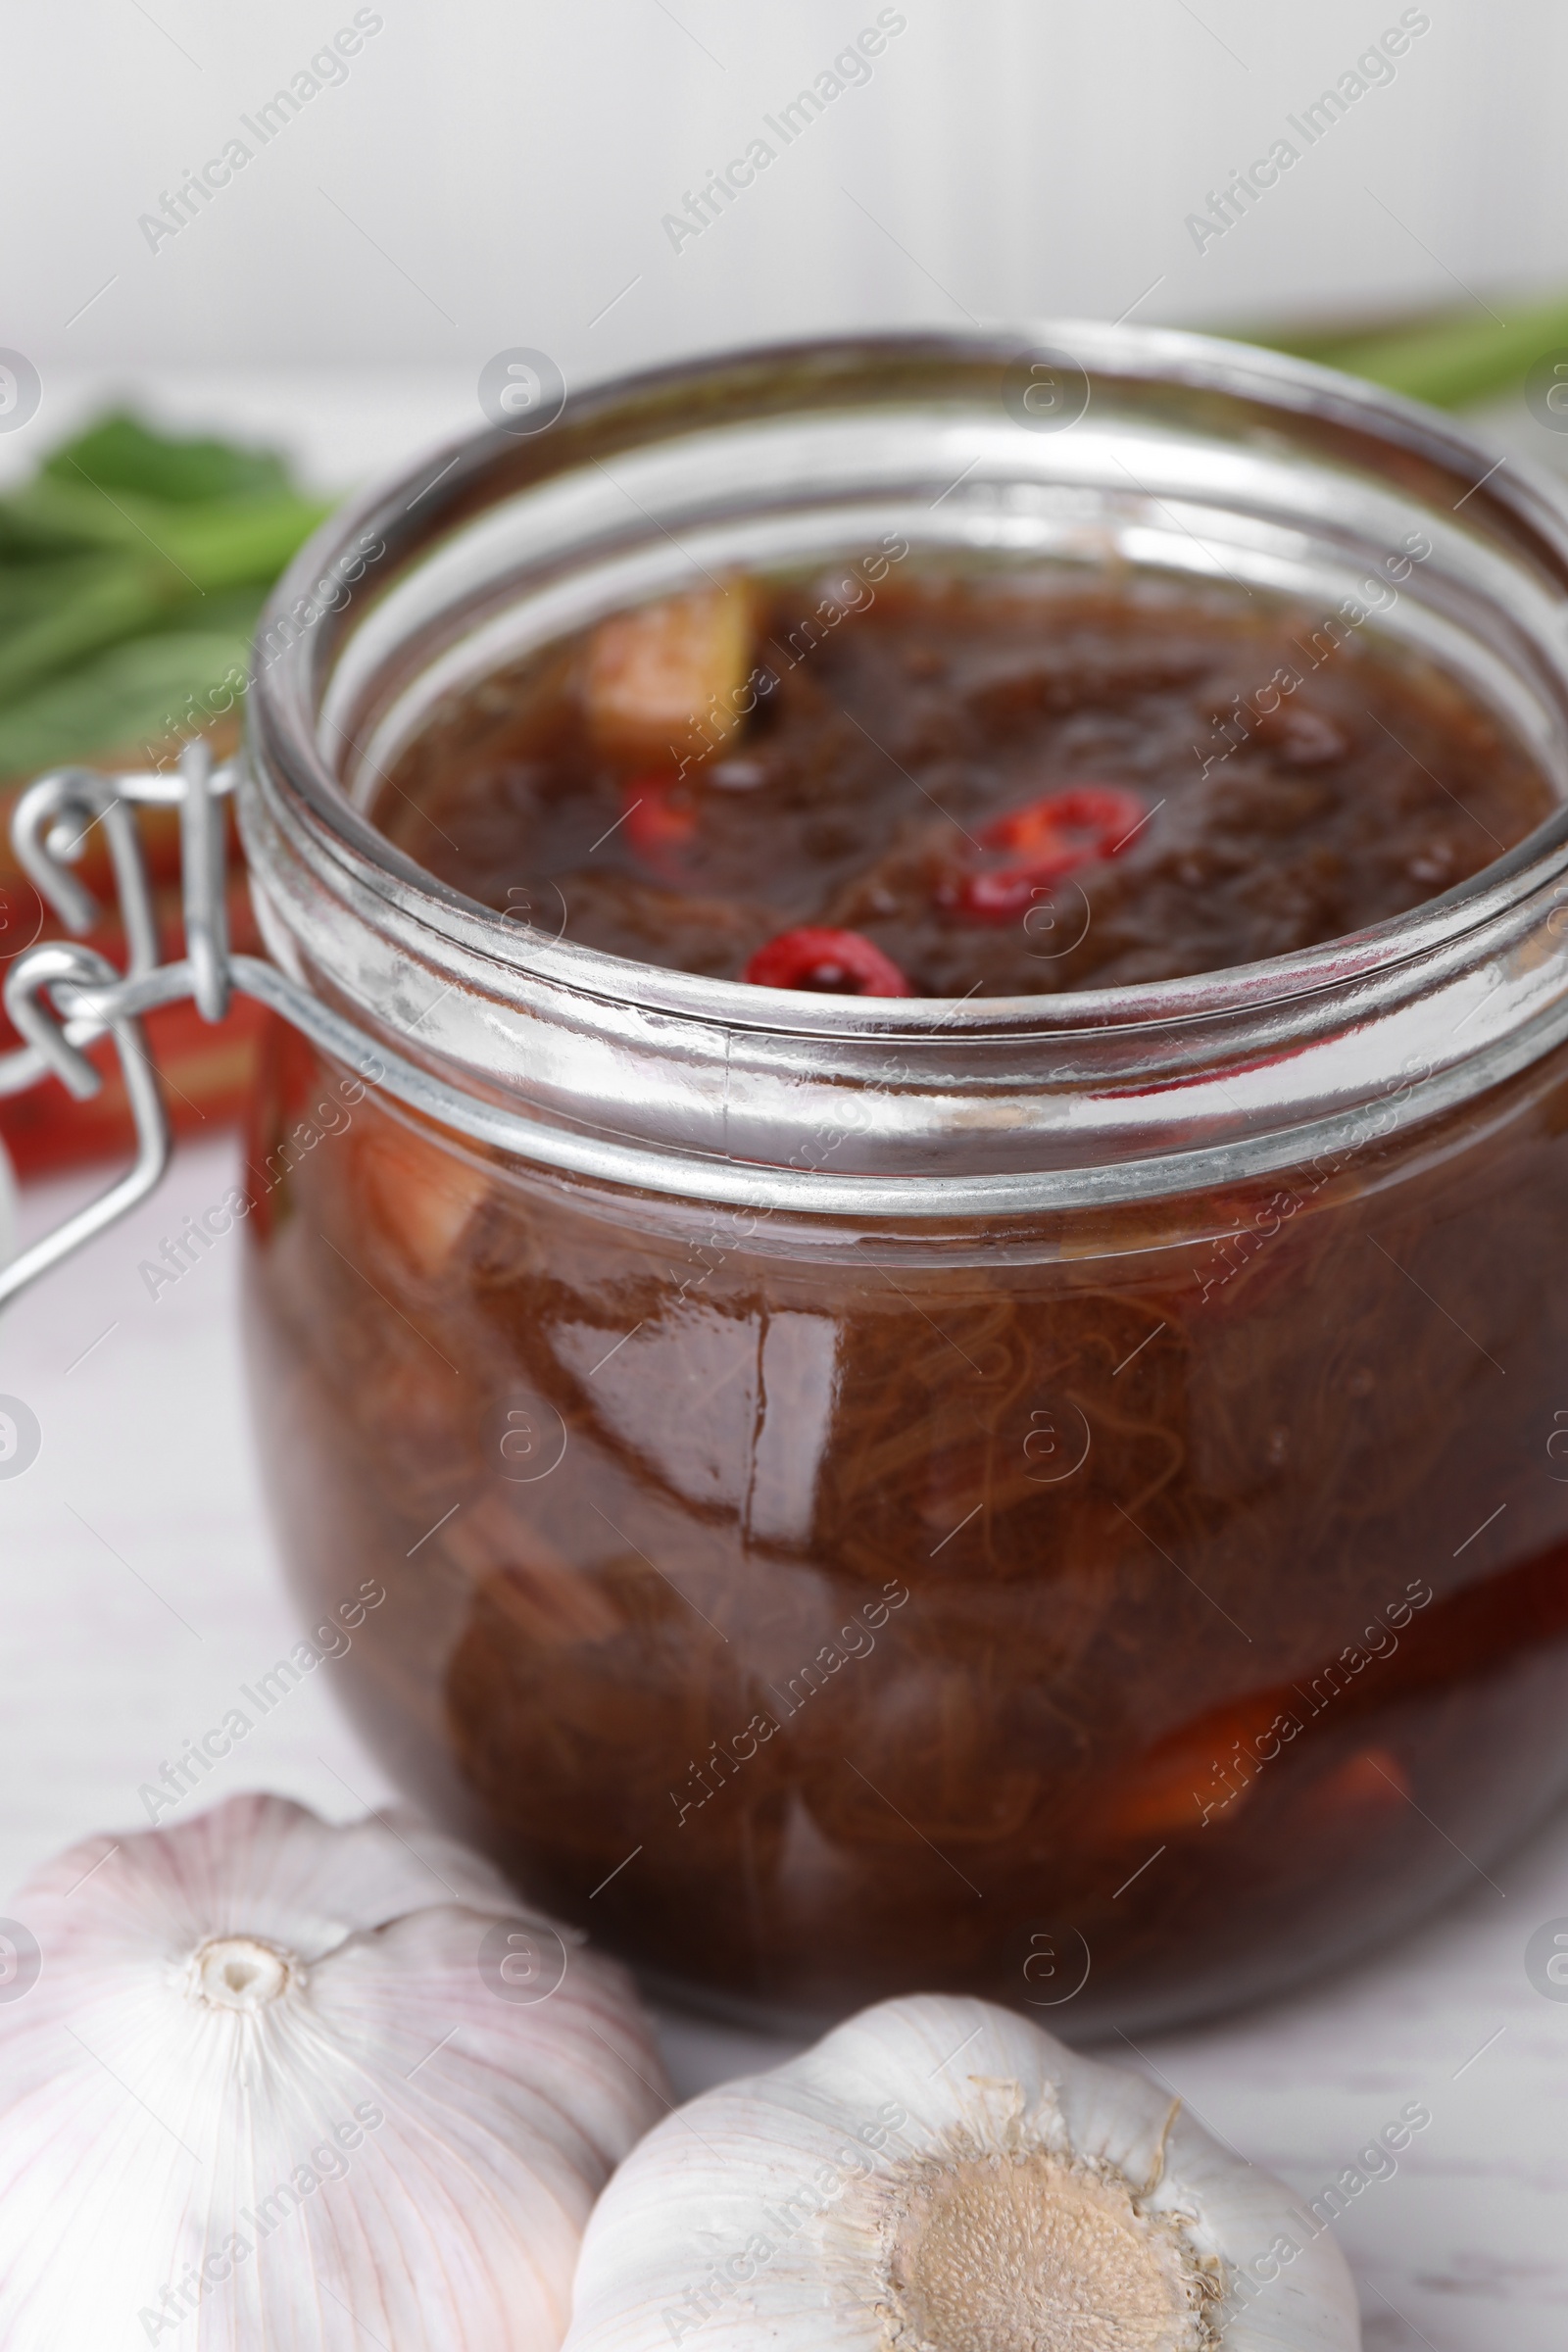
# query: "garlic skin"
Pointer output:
{"type": "Point", "coordinates": [940, 2175]}
{"type": "Point", "coordinates": [261, 2097]}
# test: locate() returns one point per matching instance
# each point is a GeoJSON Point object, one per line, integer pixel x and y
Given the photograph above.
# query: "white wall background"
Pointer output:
{"type": "Point", "coordinates": [493, 172]}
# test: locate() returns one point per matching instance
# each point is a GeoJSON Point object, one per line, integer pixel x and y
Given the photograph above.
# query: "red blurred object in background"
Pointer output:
{"type": "Point", "coordinates": [207, 1069]}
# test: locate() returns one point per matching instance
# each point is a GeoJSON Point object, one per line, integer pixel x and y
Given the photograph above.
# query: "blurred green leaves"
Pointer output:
{"type": "Point", "coordinates": [1453, 359]}
{"type": "Point", "coordinates": [132, 568]}
{"type": "Point", "coordinates": [134, 563]}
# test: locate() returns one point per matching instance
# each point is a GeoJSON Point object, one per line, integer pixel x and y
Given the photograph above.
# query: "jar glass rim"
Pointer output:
{"type": "Point", "coordinates": [1518, 501]}
{"type": "Point", "coordinates": [678, 1082]}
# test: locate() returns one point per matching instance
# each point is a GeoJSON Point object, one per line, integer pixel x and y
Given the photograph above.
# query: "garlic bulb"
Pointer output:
{"type": "Point", "coordinates": [940, 2175]}
{"type": "Point", "coordinates": [284, 2087]}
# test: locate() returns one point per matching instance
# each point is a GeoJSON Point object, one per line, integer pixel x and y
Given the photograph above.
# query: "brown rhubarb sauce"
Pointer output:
{"type": "Point", "coordinates": [1123, 1611]}
{"type": "Point", "coordinates": [997, 792]}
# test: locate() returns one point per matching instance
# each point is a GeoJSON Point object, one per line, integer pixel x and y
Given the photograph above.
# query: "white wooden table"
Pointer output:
{"type": "Point", "coordinates": [138, 1588]}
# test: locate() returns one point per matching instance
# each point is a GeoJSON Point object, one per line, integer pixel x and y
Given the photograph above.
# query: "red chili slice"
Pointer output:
{"type": "Point", "coordinates": [1086, 820]}
{"type": "Point", "coordinates": [829, 963]}
{"type": "Point", "coordinates": [658, 827]}
{"type": "Point", "coordinates": [1043, 840]}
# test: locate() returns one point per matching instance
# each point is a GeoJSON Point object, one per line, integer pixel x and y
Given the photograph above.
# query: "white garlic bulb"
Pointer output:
{"type": "Point", "coordinates": [940, 2175]}
{"type": "Point", "coordinates": [283, 2088]}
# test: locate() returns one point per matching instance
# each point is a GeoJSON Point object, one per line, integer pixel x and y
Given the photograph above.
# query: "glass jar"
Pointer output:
{"type": "Point", "coordinates": [1060, 1498]}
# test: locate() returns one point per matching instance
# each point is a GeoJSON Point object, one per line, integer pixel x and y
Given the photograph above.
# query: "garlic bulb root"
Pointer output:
{"type": "Point", "coordinates": [283, 2086]}
{"type": "Point", "coordinates": [240, 1972]}
{"type": "Point", "coordinates": [941, 2176]}
{"type": "Point", "coordinates": [1010, 2253]}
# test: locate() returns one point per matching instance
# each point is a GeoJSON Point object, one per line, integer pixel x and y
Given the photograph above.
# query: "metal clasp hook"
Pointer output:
{"type": "Point", "coordinates": [202, 860]}
{"type": "Point", "coordinates": [55, 966]}
{"type": "Point", "coordinates": [49, 832]}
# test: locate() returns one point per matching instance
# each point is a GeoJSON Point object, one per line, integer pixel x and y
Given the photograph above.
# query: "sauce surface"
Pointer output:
{"type": "Point", "coordinates": [944, 786]}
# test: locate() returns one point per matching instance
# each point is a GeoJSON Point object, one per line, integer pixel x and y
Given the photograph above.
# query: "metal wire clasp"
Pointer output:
{"type": "Point", "coordinates": [64, 997]}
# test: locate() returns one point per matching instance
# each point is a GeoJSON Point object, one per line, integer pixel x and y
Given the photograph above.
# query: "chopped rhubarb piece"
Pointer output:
{"type": "Point", "coordinates": [1375, 1781]}
{"type": "Point", "coordinates": [827, 963]}
{"type": "Point", "coordinates": [416, 1196]}
{"type": "Point", "coordinates": [669, 677]}
{"type": "Point", "coordinates": [1201, 1771]}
